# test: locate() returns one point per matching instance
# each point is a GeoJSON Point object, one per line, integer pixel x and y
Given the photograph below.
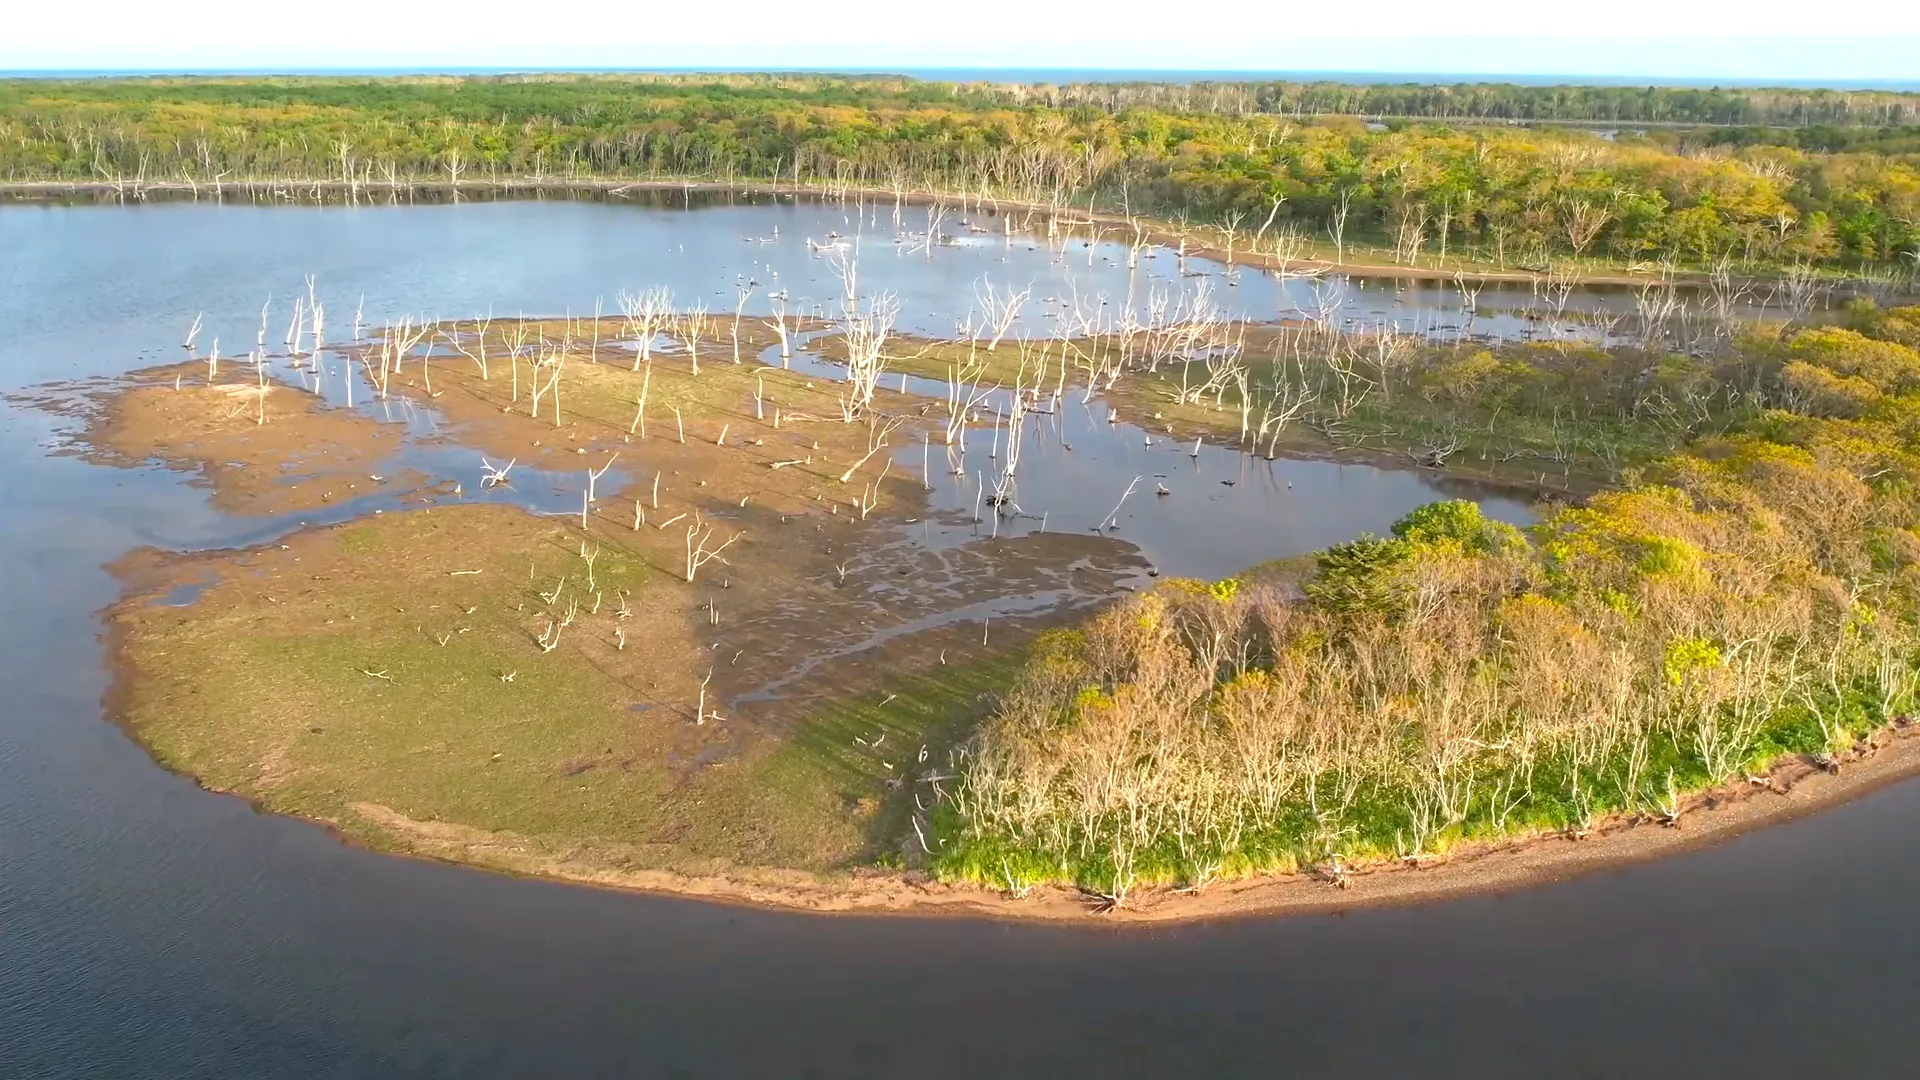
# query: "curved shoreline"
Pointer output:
{"type": "Point", "coordinates": [1794, 789]}
{"type": "Point", "coordinates": [1470, 868]}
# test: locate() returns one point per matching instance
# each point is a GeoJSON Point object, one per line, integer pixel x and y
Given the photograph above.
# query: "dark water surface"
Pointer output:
{"type": "Point", "coordinates": [150, 929]}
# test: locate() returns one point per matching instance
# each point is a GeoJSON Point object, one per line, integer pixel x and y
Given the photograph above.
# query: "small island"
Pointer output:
{"type": "Point", "coordinates": [682, 616]}
{"type": "Point", "coordinates": [994, 592]}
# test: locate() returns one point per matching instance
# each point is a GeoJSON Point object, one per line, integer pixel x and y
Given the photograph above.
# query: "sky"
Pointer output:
{"type": "Point", "coordinates": [1743, 40]}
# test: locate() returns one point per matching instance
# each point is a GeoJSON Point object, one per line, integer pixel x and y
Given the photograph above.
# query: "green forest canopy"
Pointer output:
{"type": "Point", "coordinates": [1800, 175]}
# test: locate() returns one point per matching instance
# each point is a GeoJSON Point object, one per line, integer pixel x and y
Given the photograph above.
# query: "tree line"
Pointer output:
{"type": "Point", "coordinates": [1426, 192]}
{"type": "Point", "coordinates": [1746, 600]}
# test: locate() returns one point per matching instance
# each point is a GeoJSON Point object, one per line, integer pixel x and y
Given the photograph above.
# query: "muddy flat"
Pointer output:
{"type": "Point", "coordinates": [471, 673]}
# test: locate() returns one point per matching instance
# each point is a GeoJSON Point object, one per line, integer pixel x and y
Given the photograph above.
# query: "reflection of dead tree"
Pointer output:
{"type": "Point", "coordinates": [698, 554]}
{"type": "Point", "coordinates": [646, 315]}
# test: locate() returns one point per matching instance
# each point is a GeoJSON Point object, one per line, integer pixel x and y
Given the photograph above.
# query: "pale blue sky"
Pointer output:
{"type": "Point", "coordinates": [1730, 39]}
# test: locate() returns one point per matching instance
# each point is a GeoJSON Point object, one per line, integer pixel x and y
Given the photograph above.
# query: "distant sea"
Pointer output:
{"type": "Point", "coordinates": [1058, 76]}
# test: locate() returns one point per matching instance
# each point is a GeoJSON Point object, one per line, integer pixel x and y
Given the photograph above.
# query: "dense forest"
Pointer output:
{"type": "Point", "coordinates": [1248, 158]}
{"type": "Point", "coordinates": [1744, 599]}
{"type": "Point", "coordinates": [1505, 101]}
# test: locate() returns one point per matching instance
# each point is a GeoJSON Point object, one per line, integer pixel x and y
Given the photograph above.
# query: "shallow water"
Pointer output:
{"type": "Point", "coordinates": [150, 929]}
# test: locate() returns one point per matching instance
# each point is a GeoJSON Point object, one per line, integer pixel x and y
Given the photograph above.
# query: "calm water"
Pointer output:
{"type": "Point", "coordinates": [150, 929]}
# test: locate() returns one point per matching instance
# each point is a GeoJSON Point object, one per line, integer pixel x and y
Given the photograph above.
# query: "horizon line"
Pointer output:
{"type": "Point", "coordinates": [994, 73]}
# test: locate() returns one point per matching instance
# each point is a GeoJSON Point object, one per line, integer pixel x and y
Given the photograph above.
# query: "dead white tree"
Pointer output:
{"type": "Point", "coordinates": [554, 361]}
{"type": "Point", "coordinates": [876, 441]}
{"type": "Point", "coordinates": [963, 397]}
{"type": "Point", "coordinates": [594, 475]}
{"type": "Point", "coordinates": [516, 343]}
{"type": "Point", "coordinates": [647, 314]}
{"type": "Point", "coordinates": [699, 534]}
{"type": "Point", "coordinates": [779, 326]}
{"type": "Point", "coordinates": [743, 291]}
{"type": "Point", "coordinates": [865, 330]}
{"type": "Point", "coordinates": [479, 352]}
{"type": "Point", "coordinates": [1000, 308]}
{"type": "Point", "coordinates": [692, 325]}
{"type": "Point", "coordinates": [1112, 520]}
{"type": "Point", "coordinates": [1337, 224]}
{"type": "Point", "coordinates": [492, 474]}
{"type": "Point", "coordinates": [640, 411]}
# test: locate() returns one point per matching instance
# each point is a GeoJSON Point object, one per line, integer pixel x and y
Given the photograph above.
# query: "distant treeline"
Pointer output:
{"type": "Point", "coordinates": [1782, 107]}
{"type": "Point", "coordinates": [1821, 194]}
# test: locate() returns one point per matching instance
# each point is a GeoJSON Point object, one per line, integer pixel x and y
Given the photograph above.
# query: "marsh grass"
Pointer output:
{"type": "Point", "coordinates": [352, 679]}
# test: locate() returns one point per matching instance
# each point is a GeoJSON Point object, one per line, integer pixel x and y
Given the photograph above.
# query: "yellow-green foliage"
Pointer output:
{"type": "Point", "coordinates": [1455, 680]}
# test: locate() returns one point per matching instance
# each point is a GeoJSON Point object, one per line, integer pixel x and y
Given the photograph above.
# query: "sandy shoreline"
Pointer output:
{"type": "Point", "coordinates": [1795, 788]}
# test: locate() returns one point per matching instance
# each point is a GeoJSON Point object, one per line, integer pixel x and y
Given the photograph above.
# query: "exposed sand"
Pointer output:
{"type": "Point", "coordinates": [1796, 789]}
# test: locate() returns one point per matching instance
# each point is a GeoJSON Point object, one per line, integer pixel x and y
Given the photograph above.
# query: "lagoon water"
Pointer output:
{"type": "Point", "coordinates": [150, 929]}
